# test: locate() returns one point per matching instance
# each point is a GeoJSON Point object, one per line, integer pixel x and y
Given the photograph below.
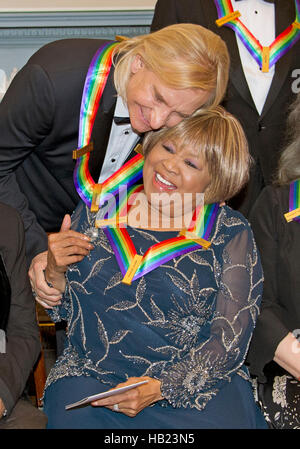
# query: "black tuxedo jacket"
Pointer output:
{"type": "Point", "coordinates": [23, 341]}
{"type": "Point", "coordinates": [265, 132]}
{"type": "Point", "coordinates": [39, 117]}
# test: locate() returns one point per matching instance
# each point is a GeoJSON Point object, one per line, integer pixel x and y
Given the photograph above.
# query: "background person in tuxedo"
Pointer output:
{"type": "Point", "coordinates": [259, 100]}
{"type": "Point", "coordinates": [39, 118]}
{"type": "Point", "coordinates": [274, 354]}
{"type": "Point", "coordinates": [19, 336]}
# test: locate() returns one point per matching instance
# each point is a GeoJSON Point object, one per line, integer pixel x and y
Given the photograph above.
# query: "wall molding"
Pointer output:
{"type": "Point", "coordinates": [75, 18]}
{"type": "Point", "coordinates": [22, 33]}
{"type": "Point", "coordinates": [27, 29]}
{"type": "Point", "coordinates": [38, 36]}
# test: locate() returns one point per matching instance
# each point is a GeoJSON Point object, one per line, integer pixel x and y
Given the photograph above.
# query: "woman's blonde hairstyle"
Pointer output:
{"type": "Point", "coordinates": [181, 55]}
{"type": "Point", "coordinates": [218, 137]}
{"type": "Point", "coordinates": [289, 161]}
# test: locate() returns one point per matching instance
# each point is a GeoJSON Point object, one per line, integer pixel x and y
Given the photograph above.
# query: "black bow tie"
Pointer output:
{"type": "Point", "coordinates": [122, 120]}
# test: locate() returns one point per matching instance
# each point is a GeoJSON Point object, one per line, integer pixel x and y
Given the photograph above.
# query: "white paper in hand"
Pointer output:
{"type": "Point", "coordinates": [105, 394]}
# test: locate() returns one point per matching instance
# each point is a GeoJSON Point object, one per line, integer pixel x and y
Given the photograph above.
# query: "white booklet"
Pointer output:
{"type": "Point", "coordinates": [105, 394]}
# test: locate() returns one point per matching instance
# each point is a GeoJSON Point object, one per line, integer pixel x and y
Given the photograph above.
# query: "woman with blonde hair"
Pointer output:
{"type": "Point", "coordinates": [274, 355]}
{"type": "Point", "coordinates": [170, 302]}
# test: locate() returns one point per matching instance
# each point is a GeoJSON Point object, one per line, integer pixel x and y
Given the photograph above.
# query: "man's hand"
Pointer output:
{"type": "Point", "coordinates": [45, 295]}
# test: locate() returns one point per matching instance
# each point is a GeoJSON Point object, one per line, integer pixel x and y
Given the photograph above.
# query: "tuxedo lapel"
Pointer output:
{"type": "Point", "coordinates": [237, 77]}
{"type": "Point", "coordinates": [102, 127]}
{"type": "Point", "coordinates": [283, 20]}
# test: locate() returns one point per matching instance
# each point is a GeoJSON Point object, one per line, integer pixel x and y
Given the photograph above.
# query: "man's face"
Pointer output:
{"type": "Point", "coordinates": [153, 105]}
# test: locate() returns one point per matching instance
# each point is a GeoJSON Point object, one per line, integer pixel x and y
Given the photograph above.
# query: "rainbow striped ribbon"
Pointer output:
{"type": "Point", "coordinates": [117, 235]}
{"type": "Point", "coordinates": [294, 202]}
{"type": "Point", "coordinates": [265, 57]}
{"type": "Point", "coordinates": [204, 218]}
{"type": "Point", "coordinates": [94, 85]}
{"type": "Point", "coordinates": [132, 265]}
{"type": "Point", "coordinates": [169, 249]}
{"type": "Point", "coordinates": [129, 174]}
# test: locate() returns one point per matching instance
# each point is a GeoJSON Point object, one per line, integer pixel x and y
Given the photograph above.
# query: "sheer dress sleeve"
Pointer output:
{"type": "Point", "coordinates": [196, 378]}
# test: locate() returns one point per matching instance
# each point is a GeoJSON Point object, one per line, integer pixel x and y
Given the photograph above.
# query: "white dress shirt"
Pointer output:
{"type": "Point", "coordinates": [259, 17]}
{"type": "Point", "coordinates": [122, 140]}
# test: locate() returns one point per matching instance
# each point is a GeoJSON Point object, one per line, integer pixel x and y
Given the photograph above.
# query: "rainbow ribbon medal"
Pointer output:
{"type": "Point", "coordinates": [94, 85]}
{"type": "Point", "coordinates": [265, 57]}
{"type": "Point", "coordinates": [115, 190]}
{"type": "Point", "coordinates": [128, 175]}
{"type": "Point", "coordinates": [294, 202]}
{"type": "Point", "coordinates": [134, 266]}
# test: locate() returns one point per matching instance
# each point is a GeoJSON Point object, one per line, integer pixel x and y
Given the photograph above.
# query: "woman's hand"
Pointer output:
{"type": "Point", "coordinates": [131, 402]}
{"type": "Point", "coordinates": [287, 355]}
{"type": "Point", "coordinates": [64, 248]}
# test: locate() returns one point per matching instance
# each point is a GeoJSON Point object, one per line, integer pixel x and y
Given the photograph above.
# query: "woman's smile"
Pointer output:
{"type": "Point", "coordinates": [173, 178]}
{"type": "Point", "coordinates": [162, 183]}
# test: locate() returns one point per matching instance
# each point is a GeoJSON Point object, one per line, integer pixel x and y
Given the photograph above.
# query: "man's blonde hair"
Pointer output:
{"type": "Point", "coordinates": [181, 55]}
{"type": "Point", "coordinates": [219, 138]}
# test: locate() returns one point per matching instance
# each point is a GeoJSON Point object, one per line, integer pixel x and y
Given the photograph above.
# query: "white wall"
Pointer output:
{"type": "Point", "coordinates": [26, 25]}
{"type": "Point", "coordinates": [75, 5]}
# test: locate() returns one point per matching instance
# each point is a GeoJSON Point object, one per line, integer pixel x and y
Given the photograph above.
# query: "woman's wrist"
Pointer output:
{"type": "Point", "coordinates": [157, 388]}
{"type": "Point", "coordinates": [55, 279]}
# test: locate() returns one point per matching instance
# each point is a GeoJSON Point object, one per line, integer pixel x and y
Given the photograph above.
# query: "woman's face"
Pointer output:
{"type": "Point", "coordinates": [174, 177]}
{"type": "Point", "coordinates": [152, 104]}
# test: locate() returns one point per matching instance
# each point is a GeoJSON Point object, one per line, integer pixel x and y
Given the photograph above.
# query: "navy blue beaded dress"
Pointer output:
{"type": "Point", "coordinates": [187, 323]}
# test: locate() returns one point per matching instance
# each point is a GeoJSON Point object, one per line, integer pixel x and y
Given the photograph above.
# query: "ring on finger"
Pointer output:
{"type": "Point", "coordinates": [116, 408]}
